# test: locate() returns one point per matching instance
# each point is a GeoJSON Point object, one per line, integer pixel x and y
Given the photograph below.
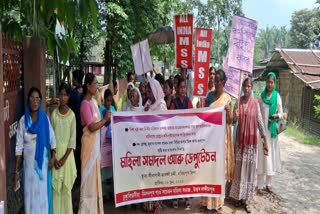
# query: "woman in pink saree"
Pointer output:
{"type": "Point", "coordinates": [91, 190]}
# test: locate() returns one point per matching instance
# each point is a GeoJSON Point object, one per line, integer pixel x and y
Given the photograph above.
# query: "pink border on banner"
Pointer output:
{"type": "Point", "coordinates": [214, 118]}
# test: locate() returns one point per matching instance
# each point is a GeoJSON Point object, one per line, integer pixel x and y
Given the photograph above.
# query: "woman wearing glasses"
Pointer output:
{"type": "Point", "coordinates": [36, 142]}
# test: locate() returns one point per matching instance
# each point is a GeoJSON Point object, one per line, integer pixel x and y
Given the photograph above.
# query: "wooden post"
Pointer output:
{"type": "Point", "coordinates": [34, 62]}
{"type": "Point", "coordinates": [3, 189]}
{"type": "Point", "coordinates": [240, 87]}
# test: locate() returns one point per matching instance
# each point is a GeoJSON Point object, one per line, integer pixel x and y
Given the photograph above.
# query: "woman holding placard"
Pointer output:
{"type": "Point", "coordinates": [246, 148]}
{"type": "Point", "coordinates": [91, 190]}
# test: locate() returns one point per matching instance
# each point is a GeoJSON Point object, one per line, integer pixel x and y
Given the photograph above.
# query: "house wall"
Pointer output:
{"type": "Point", "coordinates": [297, 101]}
{"type": "Point", "coordinates": [291, 90]}
{"type": "Point", "coordinates": [309, 122]}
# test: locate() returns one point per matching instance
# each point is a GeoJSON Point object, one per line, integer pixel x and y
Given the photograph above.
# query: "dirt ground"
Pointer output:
{"type": "Point", "coordinates": [296, 189]}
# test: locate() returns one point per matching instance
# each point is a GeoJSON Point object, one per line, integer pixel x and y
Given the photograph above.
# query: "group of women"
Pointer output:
{"type": "Point", "coordinates": [46, 149]}
{"type": "Point", "coordinates": [47, 146]}
{"type": "Point", "coordinates": [256, 145]}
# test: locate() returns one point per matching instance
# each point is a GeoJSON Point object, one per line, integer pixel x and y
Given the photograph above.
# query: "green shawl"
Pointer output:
{"type": "Point", "coordinates": [272, 102]}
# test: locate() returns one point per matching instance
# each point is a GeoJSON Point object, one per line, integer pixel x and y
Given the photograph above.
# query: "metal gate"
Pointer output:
{"type": "Point", "coordinates": [13, 107]}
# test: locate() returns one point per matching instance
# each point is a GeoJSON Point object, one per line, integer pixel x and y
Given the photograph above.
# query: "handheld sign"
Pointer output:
{"type": "Point", "coordinates": [141, 57]}
{"type": "Point", "coordinates": [202, 61]}
{"type": "Point", "coordinates": [242, 41]}
{"type": "Point", "coordinates": [233, 82]}
{"type": "Point", "coordinates": [183, 37]}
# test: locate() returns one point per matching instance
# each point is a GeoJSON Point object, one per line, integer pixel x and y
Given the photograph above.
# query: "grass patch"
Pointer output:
{"type": "Point", "coordinates": [299, 135]}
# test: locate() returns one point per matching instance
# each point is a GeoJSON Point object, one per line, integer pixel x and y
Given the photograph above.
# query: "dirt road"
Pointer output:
{"type": "Point", "coordinates": [298, 187]}
{"type": "Point", "coordinates": [296, 190]}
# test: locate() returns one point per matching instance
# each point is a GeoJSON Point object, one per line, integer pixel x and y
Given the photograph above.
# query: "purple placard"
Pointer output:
{"type": "Point", "coordinates": [233, 83]}
{"type": "Point", "coordinates": [242, 41]}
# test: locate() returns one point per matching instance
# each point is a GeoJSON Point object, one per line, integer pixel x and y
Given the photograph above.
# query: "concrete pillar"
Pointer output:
{"type": "Point", "coordinates": [34, 66]}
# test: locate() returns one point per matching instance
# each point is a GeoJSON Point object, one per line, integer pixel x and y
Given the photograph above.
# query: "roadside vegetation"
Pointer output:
{"type": "Point", "coordinates": [293, 130]}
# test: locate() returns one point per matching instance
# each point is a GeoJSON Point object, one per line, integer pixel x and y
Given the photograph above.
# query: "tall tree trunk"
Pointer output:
{"type": "Point", "coordinates": [56, 73]}
{"type": "Point", "coordinates": [107, 61]}
{"type": "Point", "coordinates": [218, 46]}
{"type": "Point", "coordinates": [81, 55]}
{"type": "Point", "coordinates": [114, 70]}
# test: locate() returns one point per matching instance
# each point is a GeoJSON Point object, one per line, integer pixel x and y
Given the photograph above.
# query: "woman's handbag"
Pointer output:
{"type": "Point", "coordinates": [281, 125]}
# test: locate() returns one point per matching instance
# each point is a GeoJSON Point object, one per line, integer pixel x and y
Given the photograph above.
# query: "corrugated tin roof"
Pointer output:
{"type": "Point", "coordinates": [305, 64]}
{"type": "Point", "coordinates": [258, 67]}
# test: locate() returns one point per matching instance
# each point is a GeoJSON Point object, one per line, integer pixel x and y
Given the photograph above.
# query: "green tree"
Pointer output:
{"type": "Point", "coordinates": [216, 14]}
{"type": "Point", "coordinates": [130, 21]}
{"type": "Point", "coordinates": [317, 106]}
{"type": "Point", "coordinates": [36, 18]}
{"type": "Point", "coordinates": [166, 53]}
{"type": "Point", "coordinates": [268, 39]}
{"type": "Point", "coordinates": [86, 37]}
{"type": "Point", "coordinates": [305, 25]}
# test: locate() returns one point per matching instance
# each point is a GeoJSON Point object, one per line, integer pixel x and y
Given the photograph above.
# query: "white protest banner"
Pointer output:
{"type": "Point", "coordinates": [1, 207]}
{"type": "Point", "coordinates": [183, 36]}
{"type": "Point", "coordinates": [242, 41]}
{"type": "Point", "coordinates": [141, 57]}
{"type": "Point", "coordinates": [165, 155]}
{"type": "Point", "coordinates": [202, 61]}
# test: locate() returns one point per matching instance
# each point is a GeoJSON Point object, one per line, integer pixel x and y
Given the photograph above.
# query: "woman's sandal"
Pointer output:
{"type": "Point", "coordinates": [203, 209]}
{"type": "Point", "coordinates": [247, 208]}
{"type": "Point", "coordinates": [219, 210]}
{"type": "Point", "coordinates": [175, 204]}
{"type": "Point", "coordinates": [239, 203]}
{"type": "Point", "coordinates": [158, 208]}
{"type": "Point", "coordinates": [259, 192]}
{"type": "Point", "coordinates": [269, 188]}
{"type": "Point", "coordinates": [188, 204]}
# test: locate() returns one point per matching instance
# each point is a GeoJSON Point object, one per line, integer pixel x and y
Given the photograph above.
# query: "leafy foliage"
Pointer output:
{"type": "Point", "coordinates": [270, 38]}
{"type": "Point", "coordinates": [317, 106]}
{"type": "Point", "coordinates": [85, 37]}
{"type": "Point", "coordinates": [38, 18]}
{"type": "Point", "coordinates": [217, 15]}
{"type": "Point", "coordinates": [305, 28]}
{"type": "Point", "coordinates": [120, 23]}
{"type": "Point", "coordinates": [128, 22]}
